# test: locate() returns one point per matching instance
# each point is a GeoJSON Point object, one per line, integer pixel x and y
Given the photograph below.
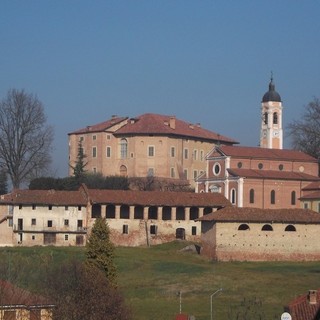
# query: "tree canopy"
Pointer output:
{"type": "Point", "coordinates": [305, 132]}
{"type": "Point", "coordinates": [25, 138]}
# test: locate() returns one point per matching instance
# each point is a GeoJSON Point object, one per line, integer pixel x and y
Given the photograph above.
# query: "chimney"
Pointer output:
{"type": "Point", "coordinates": [172, 123]}
{"type": "Point", "coordinates": [312, 297]}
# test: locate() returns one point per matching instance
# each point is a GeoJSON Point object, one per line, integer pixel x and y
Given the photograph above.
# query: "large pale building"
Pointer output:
{"type": "Point", "coordinates": [147, 145]}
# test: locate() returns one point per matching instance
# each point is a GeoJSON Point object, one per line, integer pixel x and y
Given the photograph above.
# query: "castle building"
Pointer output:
{"type": "Point", "coordinates": [263, 177]}
{"type": "Point", "coordinates": [147, 145]}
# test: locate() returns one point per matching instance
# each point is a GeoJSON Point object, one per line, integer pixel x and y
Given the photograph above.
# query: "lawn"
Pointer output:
{"type": "Point", "coordinates": [151, 279]}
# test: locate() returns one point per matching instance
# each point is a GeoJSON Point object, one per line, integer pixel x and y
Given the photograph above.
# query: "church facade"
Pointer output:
{"type": "Point", "coordinates": [262, 177]}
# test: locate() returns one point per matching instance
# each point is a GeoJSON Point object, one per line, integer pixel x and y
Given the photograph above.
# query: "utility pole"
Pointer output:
{"type": "Point", "coordinates": [211, 300]}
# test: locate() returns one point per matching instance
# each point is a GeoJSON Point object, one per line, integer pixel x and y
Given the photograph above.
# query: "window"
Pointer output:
{"type": "Point", "coordinates": [153, 229]}
{"type": "Point", "coordinates": [33, 222]}
{"type": "Point", "coordinates": [108, 152]}
{"type": "Point", "coordinates": [123, 149]}
{"type": "Point", "coordinates": [293, 198]}
{"type": "Point", "coordinates": [94, 152]}
{"type": "Point", "coordinates": [239, 165]}
{"type": "Point", "coordinates": [94, 137]}
{"type": "Point", "coordinates": [272, 197]}
{"type": "Point", "coordinates": [267, 227]}
{"type": "Point", "coordinates": [280, 167]}
{"type": "Point", "coordinates": [216, 169]}
{"type": "Point", "coordinates": [243, 227]}
{"type": "Point", "coordinates": [33, 237]}
{"type": "Point", "coordinates": [201, 155]}
{"type": "Point", "coordinates": [94, 170]}
{"type": "Point", "coordinates": [49, 223]}
{"type": "Point", "coordinates": [290, 227]}
{"type": "Point", "coordinates": [251, 196]}
{"type": "Point", "coordinates": [66, 237]}
{"type": "Point", "coordinates": [195, 174]}
{"type": "Point", "coordinates": [50, 207]}
{"type": "Point", "coordinates": [79, 208]}
{"type": "Point", "coordinates": [260, 165]}
{"type": "Point", "coordinates": [265, 118]}
{"type": "Point", "coordinates": [194, 231]}
{"type": "Point", "coordinates": [306, 205]}
{"type": "Point", "coordinates": [195, 154]}
{"type": "Point", "coordinates": [34, 207]}
{"type": "Point", "coordinates": [66, 222]}
{"type": "Point", "coordinates": [108, 137]}
{"type": "Point", "coordinates": [81, 139]}
{"type": "Point", "coordinates": [150, 172]}
{"type": "Point", "coordinates": [151, 151]}
{"type": "Point", "coordinates": [275, 118]}
{"type": "Point", "coordinates": [173, 152]}
{"type": "Point", "coordinates": [186, 153]}
{"type": "Point", "coordinates": [125, 229]}
{"type": "Point", "coordinates": [318, 206]}
{"type": "Point", "coordinates": [66, 208]}
{"type": "Point", "coordinates": [20, 206]}
{"type": "Point", "coordinates": [185, 173]}
{"type": "Point", "coordinates": [233, 196]}
{"type": "Point", "coordinates": [79, 224]}
{"type": "Point", "coordinates": [172, 173]}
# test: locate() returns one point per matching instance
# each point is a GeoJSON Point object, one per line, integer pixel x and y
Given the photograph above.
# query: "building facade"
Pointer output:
{"type": "Point", "coordinates": [135, 218]}
{"type": "Point", "coordinates": [251, 234]}
{"type": "Point", "coordinates": [147, 145]}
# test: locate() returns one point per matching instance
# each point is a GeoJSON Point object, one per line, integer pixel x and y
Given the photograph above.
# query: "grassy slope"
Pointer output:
{"type": "Point", "coordinates": [151, 277]}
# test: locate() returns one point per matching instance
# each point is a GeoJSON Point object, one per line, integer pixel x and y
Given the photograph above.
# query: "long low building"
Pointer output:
{"type": "Point", "coordinates": [253, 234]}
{"type": "Point", "coordinates": [63, 218]}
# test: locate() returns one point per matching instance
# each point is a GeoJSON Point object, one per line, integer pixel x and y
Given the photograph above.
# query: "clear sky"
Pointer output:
{"type": "Point", "coordinates": [202, 61]}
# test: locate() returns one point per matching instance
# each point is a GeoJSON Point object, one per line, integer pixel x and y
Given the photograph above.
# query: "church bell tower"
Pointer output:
{"type": "Point", "coordinates": [271, 134]}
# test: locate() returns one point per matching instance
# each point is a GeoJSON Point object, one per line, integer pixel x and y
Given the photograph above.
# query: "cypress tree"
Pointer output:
{"type": "Point", "coordinates": [100, 250]}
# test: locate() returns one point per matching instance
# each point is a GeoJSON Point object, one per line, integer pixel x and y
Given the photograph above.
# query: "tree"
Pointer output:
{"type": "Point", "coordinates": [3, 181]}
{"type": "Point", "coordinates": [82, 292]}
{"type": "Point", "coordinates": [79, 167]}
{"type": "Point", "coordinates": [305, 133]}
{"type": "Point", "coordinates": [100, 250]}
{"type": "Point", "coordinates": [25, 138]}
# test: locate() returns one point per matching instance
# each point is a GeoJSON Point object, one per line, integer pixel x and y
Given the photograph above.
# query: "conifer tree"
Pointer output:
{"type": "Point", "coordinates": [100, 250]}
{"type": "Point", "coordinates": [79, 167]}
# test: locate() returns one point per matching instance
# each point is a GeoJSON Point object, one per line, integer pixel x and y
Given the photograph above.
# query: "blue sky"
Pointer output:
{"type": "Point", "coordinates": [203, 61]}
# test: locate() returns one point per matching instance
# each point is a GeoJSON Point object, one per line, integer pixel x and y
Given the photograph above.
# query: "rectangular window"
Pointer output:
{"type": "Point", "coordinates": [194, 231]}
{"type": "Point", "coordinates": [108, 152]}
{"type": "Point", "coordinates": [66, 237]}
{"type": "Point", "coordinates": [201, 155]}
{"type": "Point", "coordinates": [79, 208]}
{"type": "Point", "coordinates": [50, 207]}
{"type": "Point", "coordinates": [186, 153]}
{"type": "Point", "coordinates": [173, 152]}
{"type": "Point", "coordinates": [10, 222]}
{"type": "Point", "coordinates": [172, 173]}
{"type": "Point", "coordinates": [33, 222]}
{"type": "Point", "coordinates": [151, 151]}
{"type": "Point", "coordinates": [81, 139]}
{"type": "Point", "coordinates": [195, 154]}
{"type": "Point", "coordinates": [33, 237]}
{"type": "Point", "coordinates": [66, 222]}
{"type": "Point", "coordinates": [79, 224]}
{"type": "Point", "coordinates": [49, 224]}
{"type": "Point", "coordinates": [94, 170]}
{"type": "Point", "coordinates": [94, 152]}
{"type": "Point", "coordinates": [94, 137]}
{"type": "Point", "coordinates": [306, 205]}
{"type": "Point", "coordinates": [318, 206]}
{"type": "Point", "coordinates": [66, 208]}
{"type": "Point", "coordinates": [153, 229]}
{"type": "Point", "coordinates": [195, 174]}
{"type": "Point", "coordinates": [20, 206]}
{"type": "Point", "coordinates": [108, 137]}
{"type": "Point", "coordinates": [34, 207]}
{"type": "Point", "coordinates": [150, 172]}
{"type": "Point", "coordinates": [125, 229]}
{"type": "Point", "coordinates": [185, 173]}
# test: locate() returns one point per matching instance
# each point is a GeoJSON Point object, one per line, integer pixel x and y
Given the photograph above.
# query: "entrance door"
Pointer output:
{"type": "Point", "coordinates": [180, 234]}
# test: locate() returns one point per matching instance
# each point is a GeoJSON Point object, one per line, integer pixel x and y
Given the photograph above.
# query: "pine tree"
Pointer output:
{"type": "Point", "coordinates": [79, 168]}
{"type": "Point", "coordinates": [100, 250]}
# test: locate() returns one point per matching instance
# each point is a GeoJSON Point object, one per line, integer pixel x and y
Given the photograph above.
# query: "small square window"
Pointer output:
{"type": "Point", "coordinates": [108, 137]}
{"type": "Point", "coordinates": [66, 208]}
{"type": "Point", "coordinates": [79, 208]}
{"type": "Point", "coordinates": [50, 207]}
{"type": "Point", "coordinates": [66, 222]}
{"type": "Point", "coordinates": [33, 222]}
{"type": "Point", "coordinates": [49, 223]}
{"type": "Point", "coordinates": [33, 237]}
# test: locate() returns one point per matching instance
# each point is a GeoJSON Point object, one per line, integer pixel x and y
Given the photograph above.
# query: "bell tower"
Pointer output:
{"type": "Point", "coordinates": [271, 134]}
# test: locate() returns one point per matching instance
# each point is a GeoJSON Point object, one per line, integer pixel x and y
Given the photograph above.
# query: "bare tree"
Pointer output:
{"type": "Point", "coordinates": [305, 132]}
{"type": "Point", "coordinates": [25, 138]}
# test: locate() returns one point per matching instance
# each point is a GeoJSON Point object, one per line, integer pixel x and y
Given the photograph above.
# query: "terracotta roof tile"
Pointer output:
{"type": "Point", "coordinates": [150, 123]}
{"type": "Point", "coordinates": [272, 174]}
{"type": "Point", "coordinates": [102, 126]}
{"type": "Point", "coordinates": [44, 197]}
{"type": "Point", "coordinates": [234, 214]}
{"type": "Point", "coordinates": [157, 198]}
{"type": "Point", "coordinates": [312, 195]}
{"type": "Point", "coordinates": [312, 186]}
{"type": "Point", "coordinates": [265, 153]}
{"type": "Point", "coordinates": [301, 309]}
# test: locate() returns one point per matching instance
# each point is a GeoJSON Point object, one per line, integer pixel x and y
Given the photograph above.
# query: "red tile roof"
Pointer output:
{"type": "Point", "coordinates": [301, 309]}
{"type": "Point", "coordinates": [157, 198]}
{"type": "Point", "coordinates": [234, 214]}
{"type": "Point", "coordinates": [102, 126]}
{"type": "Point", "coordinates": [14, 296]}
{"type": "Point", "coordinates": [150, 123]}
{"type": "Point", "coordinates": [272, 174]}
{"type": "Point", "coordinates": [311, 196]}
{"type": "Point", "coordinates": [312, 186]}
{"type": "Point", "coordinates": [44, 197]}
{"type": "Point", "coordinates": [265, 153]}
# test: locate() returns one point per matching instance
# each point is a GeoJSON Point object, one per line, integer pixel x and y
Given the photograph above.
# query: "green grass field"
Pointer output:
{"type": "Point", "coordinates": [150, 279]}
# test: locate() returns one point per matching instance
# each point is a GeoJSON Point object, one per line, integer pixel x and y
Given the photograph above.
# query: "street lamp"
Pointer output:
{"type": "Point", "coordinates": [211, 300]}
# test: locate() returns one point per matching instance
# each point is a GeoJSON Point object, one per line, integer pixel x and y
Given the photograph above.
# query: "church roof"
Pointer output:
{"type": "Point", "coordinates": [263, 153]}
{"type": "Point", "coordinates": [272, 94]}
